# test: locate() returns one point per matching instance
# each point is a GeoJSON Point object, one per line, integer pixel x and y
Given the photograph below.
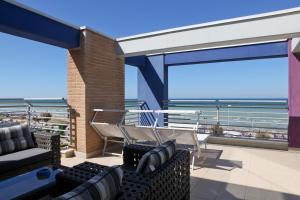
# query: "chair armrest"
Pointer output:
{"type": "Point", "coordinates": [50, 142]}
{"type": "Point", "coordinates": [171, 180]}
{"type": "Point", "coordinates": [133, 153]}
{"type": "Point", "coordinates": [70, 178]}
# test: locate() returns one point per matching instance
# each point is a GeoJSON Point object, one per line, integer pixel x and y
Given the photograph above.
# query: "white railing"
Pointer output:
{"type": "Point", "coordinates": [51, 115]}
{"type": "Point", "coordinates": [257, 118]}
{"type": "Point", "coordinates": [241, 113]}
{"type": "Point", "coordinates": [244, 116]}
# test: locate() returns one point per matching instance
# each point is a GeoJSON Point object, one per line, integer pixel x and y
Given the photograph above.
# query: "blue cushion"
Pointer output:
{"type": "Point", "coordinates": [15, 138]}
{"type": "Point", "coordinates": [156, 157]}
{"type": "Point", "coordinates": [105, 186]}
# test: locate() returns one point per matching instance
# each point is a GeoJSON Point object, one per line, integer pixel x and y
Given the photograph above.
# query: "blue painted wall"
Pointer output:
{"type": "Point", "coordinates": [20, 22]}
{"type": "Point", "coordinates": [248, 52]}
{"type": "Point", "coordinates": [153, 83]}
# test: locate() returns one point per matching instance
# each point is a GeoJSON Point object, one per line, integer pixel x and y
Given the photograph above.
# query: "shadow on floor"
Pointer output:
{"type": "Point", "coordinates": [210, 158]}
{"type": "Point", "coordinates": [114, 149]}
{"type": "Point", "coordinates": [205, 189]}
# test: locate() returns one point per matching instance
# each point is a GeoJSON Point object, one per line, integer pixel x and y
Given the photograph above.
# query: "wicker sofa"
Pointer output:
{"type": "Point", "coordinates": [22, 150]}
{"type": "Point", "coordinates": [170, 181]}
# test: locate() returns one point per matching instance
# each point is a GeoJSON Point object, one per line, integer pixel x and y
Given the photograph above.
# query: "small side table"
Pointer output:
{"type": "Point", "coordinates": [27, 184]}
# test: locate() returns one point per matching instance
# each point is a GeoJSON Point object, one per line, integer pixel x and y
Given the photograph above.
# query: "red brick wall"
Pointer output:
{"type": "Point", "coordinates": [95, 80]}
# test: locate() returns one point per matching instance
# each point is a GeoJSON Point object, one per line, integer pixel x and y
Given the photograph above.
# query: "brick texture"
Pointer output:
{"type": "Point", "coordinates": [95, 80]}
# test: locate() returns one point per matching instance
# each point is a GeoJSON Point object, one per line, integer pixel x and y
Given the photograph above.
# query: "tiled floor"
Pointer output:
{"type": "Point", "coordinates": [226, 172]}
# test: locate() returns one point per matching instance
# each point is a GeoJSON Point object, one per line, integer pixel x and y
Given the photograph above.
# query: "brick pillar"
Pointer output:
{"type": "Point", "coordinates": [95, 80]}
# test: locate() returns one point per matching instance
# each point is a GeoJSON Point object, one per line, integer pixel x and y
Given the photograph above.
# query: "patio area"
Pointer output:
{"type": "Point", "coordinates": [31, 152]}
{"type": "Point", "coordinates": [232, 172]}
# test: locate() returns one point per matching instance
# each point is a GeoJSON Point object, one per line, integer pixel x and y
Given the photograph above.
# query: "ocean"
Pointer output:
{"type": "Point", "coordinates": [249, 113]}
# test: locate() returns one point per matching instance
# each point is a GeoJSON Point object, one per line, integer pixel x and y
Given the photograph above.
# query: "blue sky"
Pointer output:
{"type": "Point", "coordinates": [32, 69]}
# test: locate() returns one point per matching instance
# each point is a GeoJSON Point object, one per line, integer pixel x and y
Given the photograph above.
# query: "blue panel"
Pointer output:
{"type": "Point", "coordinates": [136, 61]}
{"type": "Point", "coordinates": [258, 51]}
{"type": "Point", "coordinates": [153, 83]}
{"type": "Point", "coordinates": [18, 21]}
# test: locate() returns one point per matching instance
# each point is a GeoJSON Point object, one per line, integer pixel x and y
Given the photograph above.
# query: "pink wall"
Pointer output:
{"type": "Point", "coordinates": [294, 84]}
{"type": "Point", "coordinates": [294, 98]}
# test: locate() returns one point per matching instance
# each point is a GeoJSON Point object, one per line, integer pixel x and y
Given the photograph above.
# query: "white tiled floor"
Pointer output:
{"type": "Point", "coordinates": [227, 172]}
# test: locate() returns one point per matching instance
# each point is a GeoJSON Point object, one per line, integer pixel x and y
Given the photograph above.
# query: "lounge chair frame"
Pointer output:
{"type": "Point", "coordinates": [113, 138]}
{"type": "Point", "coordinates": [193, 130]}
{"type": "Point", "coordinates": [130, 129]}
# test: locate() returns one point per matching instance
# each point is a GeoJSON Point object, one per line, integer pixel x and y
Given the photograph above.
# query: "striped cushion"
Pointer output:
{"type": "Point", "coordinates": [151, 160]}
{"type": "Point", "coordinates": [104, 186]}
{"type": "Point", "coordinates": [15, 138]}
{"type": "Point", "coordinates": [170, 146]}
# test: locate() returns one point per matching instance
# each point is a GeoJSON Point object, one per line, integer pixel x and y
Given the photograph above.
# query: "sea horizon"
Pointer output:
{"type": "Point", "coordinates": [220, 98]}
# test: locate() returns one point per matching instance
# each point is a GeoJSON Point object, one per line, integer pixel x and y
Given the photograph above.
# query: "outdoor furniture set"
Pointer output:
{"type": "Point", "coordinates": [148, 173]}
{"type": "Point", "coordinates": [30, 169]}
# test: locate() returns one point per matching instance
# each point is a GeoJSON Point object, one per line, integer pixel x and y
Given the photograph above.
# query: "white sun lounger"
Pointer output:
{"type": "Point", "coordinates": [139, 133]}
{"type": "Point", "coordinates": [184, 134]}
{"type": "Point", "coordinates": [109, 132]}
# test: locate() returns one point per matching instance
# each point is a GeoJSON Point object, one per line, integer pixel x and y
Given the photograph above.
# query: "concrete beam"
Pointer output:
{"type": "Point", "coordinates": [296, 45]}
{"type": "Point", "coordinates": [248, 52]}
{"type": "Point", "coordinates": [19, 20]}
{"type": "Point", "coordinates": [262, 28]}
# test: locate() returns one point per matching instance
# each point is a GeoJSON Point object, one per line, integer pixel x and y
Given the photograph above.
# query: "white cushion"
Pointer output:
{"type": "Point", "coordinates": [202, 137]}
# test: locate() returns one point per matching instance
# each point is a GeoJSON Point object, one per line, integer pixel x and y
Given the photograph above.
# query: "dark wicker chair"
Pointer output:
{"type": "Point", "coordinates": [70, 178]}
{"type": "Point", "coordinates": [170, 181]}
{"type": "Point", "coordinates": [50, 142]}
{"type": "Point", "coordinates": [45, 153]}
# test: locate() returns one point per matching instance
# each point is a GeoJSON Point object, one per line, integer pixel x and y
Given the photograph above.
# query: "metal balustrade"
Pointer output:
{"type": "Point", "coordinates": [246, 116]}
{"type": "Point", "coordinates": [271, 113]}
{"type": "Point", "coordinates": [51, 115]}
{"type": "Point", "coordinates": [260, 118]}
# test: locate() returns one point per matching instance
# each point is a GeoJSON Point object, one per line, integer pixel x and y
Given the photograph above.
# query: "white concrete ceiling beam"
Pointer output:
{"type": "Point", "coordinates": [296, 45]}
{"type": "Point", "coordinates": [267, 27]}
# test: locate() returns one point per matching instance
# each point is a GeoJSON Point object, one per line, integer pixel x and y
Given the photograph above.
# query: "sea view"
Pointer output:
{"type": "Point", "coordinates": [239, 112]}
{"type": "Point", "coordinates": [237, 117]}
{"type": "Point", "coordinates": [247, 113]}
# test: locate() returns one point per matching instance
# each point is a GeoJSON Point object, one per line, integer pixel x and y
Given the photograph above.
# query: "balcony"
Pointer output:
{"type": "Point", "coordinates": [222, 172]}
{"type": "Point", "coordinates": [230, 172]}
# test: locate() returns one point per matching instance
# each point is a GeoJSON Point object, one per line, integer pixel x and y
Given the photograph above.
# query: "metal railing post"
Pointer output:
{"type": "Point", "coordinates": [218, 111]}
{"type": "Point", "coordinates": [218, 114]}
{"type": "Point", "coordinates": [29, 115]}
{"type": "Point", "coordinates": [228, 106]}
{"type": "Point", "coordinates": [70, 111]}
